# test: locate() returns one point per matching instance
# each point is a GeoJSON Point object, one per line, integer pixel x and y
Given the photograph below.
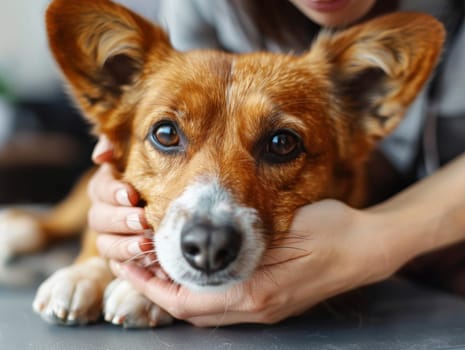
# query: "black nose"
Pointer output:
{"type": "Point", "coordinates": [209, 248]}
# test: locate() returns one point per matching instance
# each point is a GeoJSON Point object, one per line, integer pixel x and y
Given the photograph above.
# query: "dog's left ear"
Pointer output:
{"type": "Point", "coordinates": [102, 49]}
{"type": "Point", "coordinates": [376, 69]}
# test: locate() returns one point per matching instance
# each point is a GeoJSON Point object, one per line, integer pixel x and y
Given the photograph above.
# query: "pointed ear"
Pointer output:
{"type": "Point", "coordinates": [102, 48]}
{"type": "Point", "coordinates": [377, 68]}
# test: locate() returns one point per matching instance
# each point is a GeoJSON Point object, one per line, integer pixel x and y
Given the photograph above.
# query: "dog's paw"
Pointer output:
{"type": "Point", "coordinates": [19, 233]}
{"type": "Point", "coordinates": [126, 307]}
{"type": "Point", "coordinates": [73, 295]}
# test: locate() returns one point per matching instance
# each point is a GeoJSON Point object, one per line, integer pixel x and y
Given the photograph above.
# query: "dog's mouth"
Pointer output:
{"type": "Point", "coordinates": [206, 240]}
{"type": "Point", "coordinates": [216, 282]}
{"type": "Point", "coordinates": [211, 284]}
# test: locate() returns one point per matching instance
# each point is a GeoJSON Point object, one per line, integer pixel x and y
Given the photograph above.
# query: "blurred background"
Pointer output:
{"type": "Point", "coordinates": [44, 142]}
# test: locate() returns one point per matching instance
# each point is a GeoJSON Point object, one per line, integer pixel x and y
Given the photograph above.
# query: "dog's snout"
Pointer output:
{"type": "Point", "coordinates": [209, 248]}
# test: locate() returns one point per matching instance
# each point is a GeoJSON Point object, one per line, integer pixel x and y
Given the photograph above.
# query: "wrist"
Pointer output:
{"type": "Point", "coordinates": [429, 215]}
{"type": "Point", "coordinates": [384, 248]}
{"type": "Point", "coordinates": [388, 238]}
{"type": "Point", "coordinates": [408, 229]}
{"type": "Point", "coordinates": [400, 235]}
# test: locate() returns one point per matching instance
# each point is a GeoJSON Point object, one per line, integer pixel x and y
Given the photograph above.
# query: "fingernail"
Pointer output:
{"type": "Point", "coordinates": [122, 197]}
{"type": "Point", "coordinates": [134, 248]}
{"type": "Point", "coordinates": [98, 149]}
{"type": "Point", "coordinates": [116, 267]}
{"type": "Point", "coordinates": [102, 147]}
{"type": "Point", "coordinates": [133, 222]}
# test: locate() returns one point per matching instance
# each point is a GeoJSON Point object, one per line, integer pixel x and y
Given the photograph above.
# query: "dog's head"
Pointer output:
{"type": "Point", "coordinates": [224, 148]}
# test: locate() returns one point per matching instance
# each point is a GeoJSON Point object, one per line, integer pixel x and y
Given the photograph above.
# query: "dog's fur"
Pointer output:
{"type": "Point", "coordinates": [258, 136]}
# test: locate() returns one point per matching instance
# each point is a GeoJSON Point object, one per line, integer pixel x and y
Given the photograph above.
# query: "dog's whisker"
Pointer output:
{"type": "Point", "coordinates": [145, 243]}
{"type": "Point", "coordinates": [269, 275]}
{"type": "Point", "coordinates": [135, 257]}
{"type": "Point", "coordinates": [173, 287]}
{"type": "Point", "coordinates": [284, 261]}
{"type": "Point", "coordinates": [292, 233]}
{"type": "Point", "coordinates": [286, 242]}
{"type": "Point", "coordinates": [150, 251]}
{"type": "Point", "coordinates": [287, 236]}
{"type": "Point", "coordinates": [288, 247]}
{"type": "Point", "coordinates": [269, 256]}
{"type": "Point", "coordinates": [150, 263]}
{"type": "Point", "coordinates": [227, 303]}
{"type": "Point", "coordinates": [332, 310]}
{"type": "Point", "coordinates": [116, 244]}
{"type": "Point", "coordinates": [276, 245]}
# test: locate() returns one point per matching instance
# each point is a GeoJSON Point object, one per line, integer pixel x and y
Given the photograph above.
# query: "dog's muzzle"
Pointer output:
{"type": "Point", "coordinates": [207, 239]}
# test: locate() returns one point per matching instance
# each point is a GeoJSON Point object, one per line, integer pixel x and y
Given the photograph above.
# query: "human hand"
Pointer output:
{"type": "Point", "coordinates": [112, 210]}
{"type": "Point", "coordinates": [331, 248]}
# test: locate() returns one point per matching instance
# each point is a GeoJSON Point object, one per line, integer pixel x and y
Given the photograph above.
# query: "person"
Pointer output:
{"type": "Point", "coordinates": [342, 247]}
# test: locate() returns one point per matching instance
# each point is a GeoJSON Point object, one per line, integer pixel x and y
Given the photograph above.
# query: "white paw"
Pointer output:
{"type": "Point", "coordinates": [73, 295]}
{"type": "Point", "coordinates": [126, 307]}
{"type": "Point", "coordinates": [19, 233]}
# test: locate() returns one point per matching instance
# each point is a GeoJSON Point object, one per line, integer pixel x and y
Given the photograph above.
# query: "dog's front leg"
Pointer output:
{"type": "Point", "coordinates": [126, 307]}
{"type": "Point", "coordinates": [73, 295]}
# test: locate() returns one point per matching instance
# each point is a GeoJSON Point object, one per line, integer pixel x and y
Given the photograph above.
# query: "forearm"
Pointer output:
{"type": "Point", "coordinates": [427, 216]}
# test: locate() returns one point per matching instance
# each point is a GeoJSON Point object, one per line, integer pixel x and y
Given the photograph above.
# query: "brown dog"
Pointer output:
{"type": "Point", "coordinates": [223, 148]}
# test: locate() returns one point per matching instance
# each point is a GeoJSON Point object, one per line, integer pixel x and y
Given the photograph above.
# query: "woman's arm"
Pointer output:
{"type": "Point", "coordinates": [427, 216]}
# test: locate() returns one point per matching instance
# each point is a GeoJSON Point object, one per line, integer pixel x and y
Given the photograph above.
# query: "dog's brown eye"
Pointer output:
{"type": "Point", "coordinates": [166, 137]}
{"type": "Point", "coordinates": [283, 146]}
{"type": "Point", "coordinates": [283, 143]}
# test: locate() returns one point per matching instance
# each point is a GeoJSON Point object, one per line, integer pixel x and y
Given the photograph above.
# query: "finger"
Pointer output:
{"type": "Point", "coordinates": [103, 187]}
{"type": "Point", "coordinates": [103, 151]}
{"type": "Point", "coordinates": [175, 299]}
{"type": "Point", "coordinates": [109, 219]}
{"type": "Point", "coordinates": [123, 248]}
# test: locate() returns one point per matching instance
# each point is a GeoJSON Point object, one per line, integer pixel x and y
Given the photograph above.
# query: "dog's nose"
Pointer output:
{"type": "Point", "coordinates": [210, 248]}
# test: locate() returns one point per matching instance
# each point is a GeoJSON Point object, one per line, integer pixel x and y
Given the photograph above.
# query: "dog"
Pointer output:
{"type": "Point", "coordinates": [223, 148]}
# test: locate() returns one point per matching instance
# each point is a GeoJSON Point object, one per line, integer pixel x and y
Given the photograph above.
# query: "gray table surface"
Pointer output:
{"type": "Point", "coordinates": [392, 315]}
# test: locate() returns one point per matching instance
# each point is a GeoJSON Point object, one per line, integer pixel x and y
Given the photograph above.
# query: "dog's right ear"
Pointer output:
{"type": "Point", "coordinates": [101, 48]}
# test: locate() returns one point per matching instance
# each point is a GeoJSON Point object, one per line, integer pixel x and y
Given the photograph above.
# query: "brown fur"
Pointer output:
{"type": "Point", "coordinates": [350, 90]}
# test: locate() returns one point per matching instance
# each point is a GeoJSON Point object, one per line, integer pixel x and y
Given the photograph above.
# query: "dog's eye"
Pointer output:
{"type": "Point", "coordinates": [165, 136]}
{"type": "Point", "coordinates": [283, 146]}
